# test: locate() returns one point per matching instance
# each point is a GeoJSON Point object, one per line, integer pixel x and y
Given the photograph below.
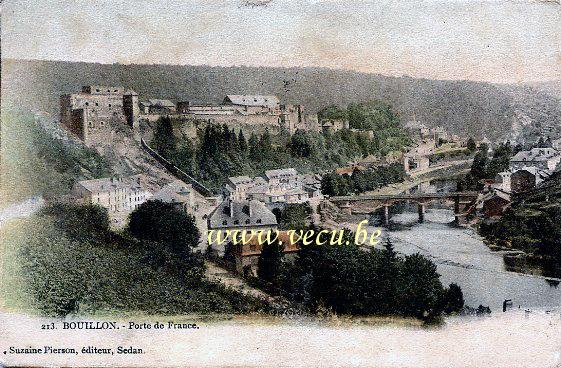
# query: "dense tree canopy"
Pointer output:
{"type": "Point", "coordinates": [163, 222]}
{"type": "Point", "coordinates": [349, 280]}
{"type": "Point", "coordinates": [361, 181]}
{"type": "Point", "coordinates": [220, 152]}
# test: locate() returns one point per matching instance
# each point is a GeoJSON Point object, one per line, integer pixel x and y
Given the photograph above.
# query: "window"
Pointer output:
{"type": "Point", "coordinates": [258, 221]}
{"type": "Point", "coordinates": [247, 221]}
{"type": "Point", "coordinates": [224, 222]}
{"type": "Point", "coordinates": [236, 222]}
{"type": "Point", "coordinates": [87, 104]}
{"type": "Point", "coordinates": [97, 90]}
{"type": "Point", "coordinates": [97, 104]}
{"type": "Point", "coordinates": [109, 105]}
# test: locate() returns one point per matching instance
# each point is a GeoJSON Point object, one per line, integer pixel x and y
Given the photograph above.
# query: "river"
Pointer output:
{"type": "Point", "coordinates": [463, 258]}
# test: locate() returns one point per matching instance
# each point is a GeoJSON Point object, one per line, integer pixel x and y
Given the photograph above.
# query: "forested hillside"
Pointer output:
{"type": "Point", "coordinates": [464, 107]}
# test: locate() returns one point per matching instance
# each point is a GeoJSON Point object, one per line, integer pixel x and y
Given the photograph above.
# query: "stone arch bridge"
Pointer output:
{"type": "Point", "coordinates": [464, 203]}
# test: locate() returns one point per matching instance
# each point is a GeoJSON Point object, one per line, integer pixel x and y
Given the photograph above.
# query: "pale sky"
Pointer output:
{"type": "Point", "coordinates": [497, 41]}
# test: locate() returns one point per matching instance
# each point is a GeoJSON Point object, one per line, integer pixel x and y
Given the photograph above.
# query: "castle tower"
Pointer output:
{"type": "Point", "coordinates": [131, 108]}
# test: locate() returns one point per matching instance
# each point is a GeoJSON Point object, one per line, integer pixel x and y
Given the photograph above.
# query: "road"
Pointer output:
{"type": "Point", "coordinates": [416, 179]}
{"type": "Point", "coordinates": [22, 209]}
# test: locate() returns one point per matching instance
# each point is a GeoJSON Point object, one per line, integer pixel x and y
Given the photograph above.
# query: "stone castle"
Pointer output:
{"type": "Point", "coordinates": [252, 110]}
{"type": "Point", "coordinates": [97, 111]}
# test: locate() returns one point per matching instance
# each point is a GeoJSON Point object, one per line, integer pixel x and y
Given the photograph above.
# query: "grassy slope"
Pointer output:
{"type": "Point", "coordinates": [13, 291]}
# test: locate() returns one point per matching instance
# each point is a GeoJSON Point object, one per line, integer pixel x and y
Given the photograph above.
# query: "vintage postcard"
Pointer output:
{"type": "Point", "coordinates": [275, 183]}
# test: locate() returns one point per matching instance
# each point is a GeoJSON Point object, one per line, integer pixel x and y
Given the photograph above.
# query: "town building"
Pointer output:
{"type": "Point", "coordinates": [237, 186]}
{"type": "Point", "coordinates": [120, 196]}
{"type": "Point", "coordinates": [97, 111]}
{"type": "Point", "coordinates": [181, 195]}
{"type": "Point", "coordinates": [541, 158]}
{"type": "Point", "coordinates": [241, 215]}
{"type": "Point", "coordinates": [333, 125]}
{"type": "Point", "coordinates": [247, 255]}
{"type": "Point", "coordinates": [527, 178]}
{"type": "Point", "coordinates": [275, 186]}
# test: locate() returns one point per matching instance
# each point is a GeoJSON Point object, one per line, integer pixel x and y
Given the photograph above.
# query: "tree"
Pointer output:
{"type": "Point", "coordinates": [253, 143]}
{"type": "Point", "coordinates": [229, 256]}
{"type": "Point", "coordinates": [421, 290]}
{"type": "Point", "coordinates": [265, 144]}
{"type": "Point", "coordinates": [163, 222]}
{"type": "Point", "coordinates": [294, 216]}
{"type": "Point", "coordinates": [333, 184]}
{"type": "Point", "coordinates": [242, 144]}
{"type": "Point", "coordinates": [164, 138]}
{"type": "Point", "coordinates": [388, 277]}
{"type": "Point", "coordinates": [471, 145]}
{"type": "Point", "coordinates": [300, 144]}
{"type": "Point", "coordinates": [80, 222]}
{"type": "Point", "coordinates": [453, 299]}
{"type": "Point", "coordinates": [270, 262]}
{"type": "Point", "coordinates": [500, 160]}
{"type": "Point", "coordinates": [332, 112]}
{"type": "Point", "coordinates": [479, 165]}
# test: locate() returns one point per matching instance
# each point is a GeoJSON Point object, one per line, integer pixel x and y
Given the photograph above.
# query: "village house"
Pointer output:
{"type": "Point", "coordinates": [333, 125]}
{"type": "Point", "coordinates": [528, 169]}
{"type": "Point", "coordinates": [247, 255]}
{"type": "Point", "coordinates": [494, 203]}
{"type": "Point", "coordinates": [181, 195]}
{"type": "Point", "coordinates": [97, 111]}
{"type": "Point", "coordinates": [120, 196]}
{"type": "Point", "coordinates": [540, 158]}
{"type": "Point", "coordinates": [502, 181]}
{"type": "Point", "coordinates": [232, 215]}
{"type": "Point", "coordinates": [527, 178]}
{"type": "Point", "coordinates": [275, 186]}
{"type": "Point", "coordinates": [349, 170]}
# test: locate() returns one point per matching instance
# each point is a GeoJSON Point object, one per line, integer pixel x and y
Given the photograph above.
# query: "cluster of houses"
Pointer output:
{"type": "Point", "coordinates": [245, 203]}
{"type": "Point", "coordinates": [527, 170]}
{"type": "Point", "coordinates": [430, 137]}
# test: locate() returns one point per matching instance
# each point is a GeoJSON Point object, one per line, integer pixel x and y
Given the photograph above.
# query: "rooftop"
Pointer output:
{"type": "Point", "coordinates": [536, 154]}
{"type": "Point", "coordinates": [253, 100]}
{"type": "Point", "coordinates": [241, 213]}
{"type": "Point", "coordinates": [112, 183]}
{"type": "Point", "coordinates": [237, 180]}
{"type": "Point", "coordinates": [160, 103]}
{"type": "Point", "coordinates": [280, 173]}
{"type": "Point", "coordinates": [175, 192]}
